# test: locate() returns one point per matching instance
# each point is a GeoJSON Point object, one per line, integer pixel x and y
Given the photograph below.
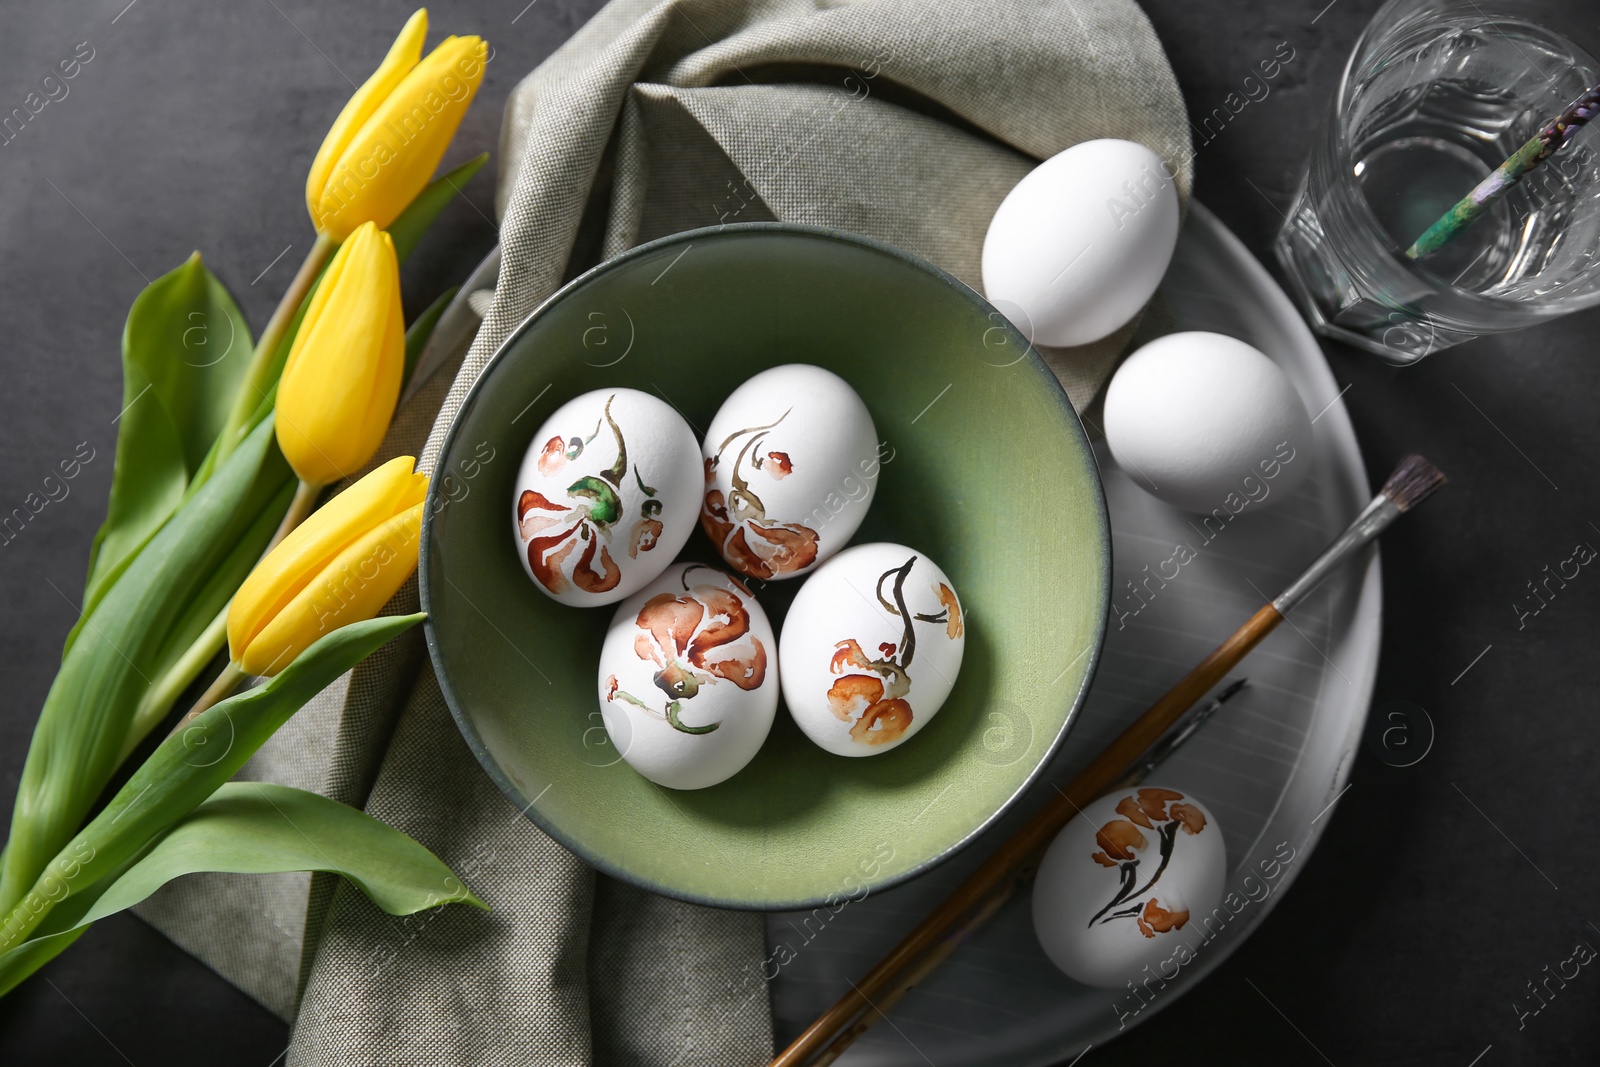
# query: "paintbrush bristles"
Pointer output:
{"type": "Point", "coordinates": [1412, 482]}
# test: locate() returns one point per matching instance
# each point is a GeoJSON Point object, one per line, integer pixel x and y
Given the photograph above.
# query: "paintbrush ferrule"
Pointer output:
{"type": "Point", "coordinates": [1373, 520]}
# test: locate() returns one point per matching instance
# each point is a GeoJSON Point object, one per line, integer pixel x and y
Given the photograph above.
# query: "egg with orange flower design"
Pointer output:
{"type": "Point", "coordinates": [689, 678]}
{"type": "Point", "coordinates": [1132, 882]}
{"type": "Point", "coordinates": [606, 497]}
{"type": "Point", "coordinates": [791, 466]}
{"type": "Point", "coordinates": [871, 648]}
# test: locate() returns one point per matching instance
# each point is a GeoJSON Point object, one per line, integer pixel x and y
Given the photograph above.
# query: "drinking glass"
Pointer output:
{"type": "Point", "coordinates": [1435, 96]}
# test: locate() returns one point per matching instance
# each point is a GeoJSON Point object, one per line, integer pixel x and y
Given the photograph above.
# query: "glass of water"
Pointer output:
{"type": "Point", "coordinates": [1436, 95]}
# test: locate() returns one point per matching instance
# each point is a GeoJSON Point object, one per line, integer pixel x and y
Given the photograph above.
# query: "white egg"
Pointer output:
{"type": "Point", "coordinates": [606, 496]}
{"type": "Point", "coordinates": [1206, 422]}
{"type": "Point", "coordinates": [791, 466]}
{"type": "Point", "coordinates": [1080, 244]}
{"type": "Point", "coordinates": [1127, 884]}
{"type": "Point", "coordinates": [689, 678]}
{"type": "Point", "coordinates": [871, 648]}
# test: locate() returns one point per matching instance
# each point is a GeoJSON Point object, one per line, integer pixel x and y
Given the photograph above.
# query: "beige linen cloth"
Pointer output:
{"type": "Point", "coordinates": [905, 120]}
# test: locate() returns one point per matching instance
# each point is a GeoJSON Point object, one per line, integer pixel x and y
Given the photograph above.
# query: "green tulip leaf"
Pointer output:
{"type": "Point", "coordinates": [105, 673]}
{"type": "Point", "coordinates": [259, 828]}
{"type": "Point", "coordinates": [407, 230]}
{"type": "Point", "coordinates": [184, 351]}
{"type": "Point", "coordinates": [185, 769]}
{"type": "Point", "coordinates": [29, 956]}
{"type": "Point", "coordinates": [182, 655]}
{"type": "Point", "coordinates": [421, 329]}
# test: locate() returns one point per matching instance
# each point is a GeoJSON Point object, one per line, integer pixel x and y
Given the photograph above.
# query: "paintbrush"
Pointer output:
{"type": "Point", "coordinates": [975, 899]}
{"type": "Point", "coordinates": [1538, 148]}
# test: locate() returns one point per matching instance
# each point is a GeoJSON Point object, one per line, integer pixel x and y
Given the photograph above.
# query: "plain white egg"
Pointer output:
{"type": "Point", "coordinates": [871, 648]}
{"type": "Point", "coordinates": [606, 496]}
{"type": "Point", "coordinates": [1206, 422]}
{"type": "Point", "coordinates": [689, 678]}
{"type": "Point", "coordinates": [1127, 884]}
{"type": "Point", "coordinates": [791, 466]}
{"type": "Point", "coordinates": [1080, 244]}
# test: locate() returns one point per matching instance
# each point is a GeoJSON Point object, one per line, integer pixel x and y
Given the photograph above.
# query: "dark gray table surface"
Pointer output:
{"type": "Point", "coordinates": [1440, 891]}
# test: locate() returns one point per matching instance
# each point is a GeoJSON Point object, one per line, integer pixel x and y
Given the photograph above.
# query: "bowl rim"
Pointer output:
{"type": "Point", "coordinates": [529, 808]}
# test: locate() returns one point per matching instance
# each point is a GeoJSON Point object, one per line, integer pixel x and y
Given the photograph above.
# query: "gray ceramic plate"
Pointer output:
{"type": "Point", "coordinates": [1270, 765]}
{"type": "Point", "coordinates": [991, 476]}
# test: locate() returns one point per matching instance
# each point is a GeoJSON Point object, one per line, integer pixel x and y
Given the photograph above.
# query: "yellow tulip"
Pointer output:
{"type": "Point", "coordinates": [386, 143]}
{"type": "Point", "coordinates": [342, 379]}
{"type": "Point", "coordinates": [340, 566]}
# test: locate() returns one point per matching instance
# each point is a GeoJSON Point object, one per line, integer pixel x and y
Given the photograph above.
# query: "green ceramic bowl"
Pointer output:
{"type": "Point", "coordinates": [991, 476]}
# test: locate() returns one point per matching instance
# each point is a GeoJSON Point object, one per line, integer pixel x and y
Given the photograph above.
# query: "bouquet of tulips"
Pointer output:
{"type": "Point", "coordinates": [213, 536]}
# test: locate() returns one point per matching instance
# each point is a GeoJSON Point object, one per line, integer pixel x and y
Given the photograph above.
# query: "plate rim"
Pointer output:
{"type": "Point", "coordinates": [1365, 586]}
{"type": "Point", "coordinates": [510, 789]}
{"type": "Point", "coordinates": [1365, 583]}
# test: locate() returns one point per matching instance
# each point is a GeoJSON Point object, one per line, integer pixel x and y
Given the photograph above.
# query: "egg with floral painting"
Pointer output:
{"type": "Point", "coordinates": [1128, 884]}
{"type": "Point", "coordinates": [871, 648]}
{"type": "Point", "coordinates": [689, 678]}
{"type": "Point", "coordinates": [606, 497]}
{"type": "Point", "coordinates": [791, 466]}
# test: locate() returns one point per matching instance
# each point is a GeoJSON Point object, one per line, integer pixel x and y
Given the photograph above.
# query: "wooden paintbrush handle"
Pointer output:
{"type": "Point", "coordinates": [926, 965]}
{"type": "Point", "coordinates": [1101, 773]}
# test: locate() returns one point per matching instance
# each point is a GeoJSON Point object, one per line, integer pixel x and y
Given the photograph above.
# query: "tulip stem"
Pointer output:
{"type": "Point", "coordinates": [220, 689]}
{"type": "Point", "coordinates": [159, 698]}
{"type": "Point", "coordinates": [211, 641]}
{"type": "Point", "coordinates": [300, 509]}
{"type": "Point", "coordinates": [254, 387]}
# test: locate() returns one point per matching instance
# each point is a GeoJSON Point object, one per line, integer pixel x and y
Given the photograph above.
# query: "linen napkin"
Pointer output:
{"type": "Point", "coordinates": [904, 120]}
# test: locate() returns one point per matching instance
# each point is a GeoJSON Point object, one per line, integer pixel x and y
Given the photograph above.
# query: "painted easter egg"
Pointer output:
{"type": "Point", "coordinates": [791, 466]}
{"type": "Point", "coordinates": [1126, 883]}
{"type": "Point", "coordinates": [871, 647]}
{"type": "Point", "coordinates": [606, 496]}
{"type": "Point", "coordinates": [689, 678]}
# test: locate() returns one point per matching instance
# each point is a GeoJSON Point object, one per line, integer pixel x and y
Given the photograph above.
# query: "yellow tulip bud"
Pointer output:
{"type": "Point", "coordinates": [342, 378]}
{"type": "Point", "coordinates": [388, 140]}
{"type": "Point", "coordinates": [339, 566]}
